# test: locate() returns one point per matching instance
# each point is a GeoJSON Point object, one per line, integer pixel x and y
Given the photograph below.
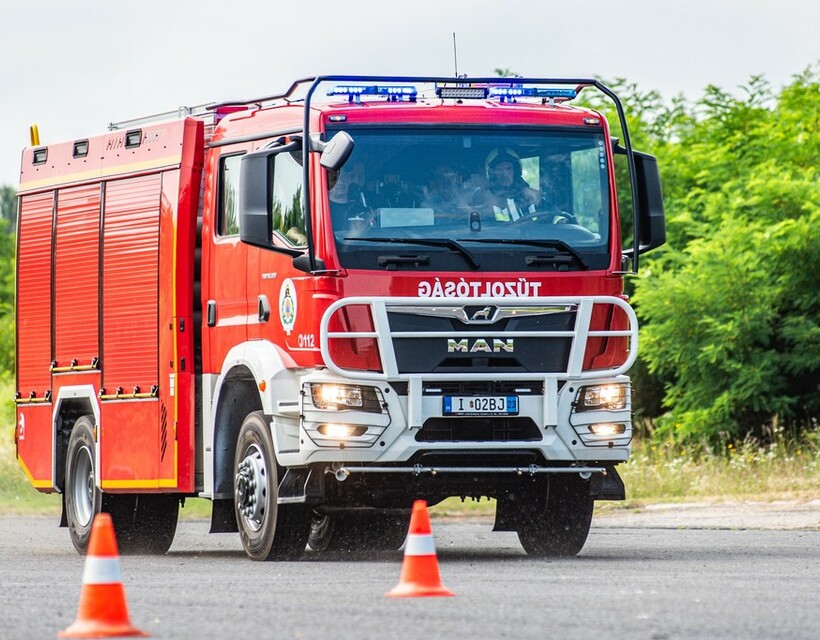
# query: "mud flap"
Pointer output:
{"type": "Point", "coordinates": [223, 517]}
{"type": "Point", "coordinates": [607, 487]}
{"type": "Point", "coordinates": [302, 486]}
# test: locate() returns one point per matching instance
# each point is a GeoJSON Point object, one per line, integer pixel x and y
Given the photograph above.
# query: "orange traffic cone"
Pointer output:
{"type": "Point", "coordinates": [419, 572]}
{"type": "Point", "coordinates": [103, 611]}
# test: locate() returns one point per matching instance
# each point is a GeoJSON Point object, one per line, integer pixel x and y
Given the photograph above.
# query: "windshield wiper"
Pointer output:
{"type": "Point", "coordinates": [560, 245]}
{"type": "Point", "coordinates": [429, 242]}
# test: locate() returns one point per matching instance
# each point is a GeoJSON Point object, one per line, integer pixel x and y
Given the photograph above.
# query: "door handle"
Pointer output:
{"type": "Point", "coordinates": [264, 308]}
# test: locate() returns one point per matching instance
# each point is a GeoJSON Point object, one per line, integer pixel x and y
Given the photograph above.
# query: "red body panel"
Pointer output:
{"type": "Point", "coordinates": [34, 256]}
{"type": "Point", "coordinates": [76, 274]}
{"type": "Point", "coordinates": [131, 438]}
{"type": "Point", "coordinates": [125, 235]}
{"type": "Point", "coordinates": [35, 446]}
{"type": "Point", "coordinates": [130, 280]}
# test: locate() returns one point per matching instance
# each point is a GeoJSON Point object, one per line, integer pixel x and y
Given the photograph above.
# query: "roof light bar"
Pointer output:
{"type": "Point", "coordinates": [517, 91]}
{"type": "Point", "coordinates": [394, 93]}
{"type": "Point", "coordinates": [462, 91]}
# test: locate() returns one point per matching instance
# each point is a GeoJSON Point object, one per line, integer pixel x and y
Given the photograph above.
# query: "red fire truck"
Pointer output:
{"type": "Point", "coordinates": [313, 308]}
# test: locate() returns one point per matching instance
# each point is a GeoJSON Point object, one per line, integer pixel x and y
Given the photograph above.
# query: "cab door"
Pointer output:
{"type": "Point", "coordinates": [228, 304]}
{"type": "Point", "coordinates": [277, 286]}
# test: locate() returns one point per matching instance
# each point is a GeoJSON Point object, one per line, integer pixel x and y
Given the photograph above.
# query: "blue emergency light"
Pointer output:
{"type": "Point", "coordinates": [517, 91]}
{"type": "Point", "coordinates": [394, 93]}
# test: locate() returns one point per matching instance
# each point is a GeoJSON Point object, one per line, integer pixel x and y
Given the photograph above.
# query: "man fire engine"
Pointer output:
{"type": "Point", "coordinates": [263, 303]}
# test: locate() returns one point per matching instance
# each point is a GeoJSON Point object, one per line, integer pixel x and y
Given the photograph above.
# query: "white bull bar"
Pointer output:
{"type": "Point", "coordinates": [384, 336]}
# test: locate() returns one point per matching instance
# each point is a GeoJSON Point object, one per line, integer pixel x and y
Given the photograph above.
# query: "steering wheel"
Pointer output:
{"type": "Point", "coordinates": [547, 217]}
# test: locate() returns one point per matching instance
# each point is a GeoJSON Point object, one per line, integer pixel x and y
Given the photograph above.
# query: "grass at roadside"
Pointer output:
{"type": "Point", "coordinates": [745, 472]}
{"type": "Point", "coordinates": [654, 473]}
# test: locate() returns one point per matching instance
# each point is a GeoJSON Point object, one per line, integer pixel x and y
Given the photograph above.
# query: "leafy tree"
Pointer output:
{"type": "Point", "coordinates": [7, 243]}
{"type": "Point", "coordinates": [731, 308]}
{"type": "Point", "coordinates": [8, 206]}
{"type": "Point", "coordinates": [504, 72]}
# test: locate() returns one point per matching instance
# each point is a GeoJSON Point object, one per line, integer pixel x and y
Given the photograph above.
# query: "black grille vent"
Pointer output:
{"type": "Point", "coordinates": [479, 430]}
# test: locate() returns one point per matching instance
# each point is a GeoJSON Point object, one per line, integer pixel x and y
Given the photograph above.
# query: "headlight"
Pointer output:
{"type": "Point", "coordinates": [337, 397]}
{"type": "Point", "coordinates": [602, 397]}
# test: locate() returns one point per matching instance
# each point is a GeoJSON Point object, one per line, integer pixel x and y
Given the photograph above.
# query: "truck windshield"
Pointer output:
{"type": "Point", "coordinates": [472, 199]}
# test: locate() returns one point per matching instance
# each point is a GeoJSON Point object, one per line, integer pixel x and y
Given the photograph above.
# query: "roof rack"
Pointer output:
{"type": "Point", "coordinates": [209, 109]}
{"type": "Point", "coordinates": [198, 111]}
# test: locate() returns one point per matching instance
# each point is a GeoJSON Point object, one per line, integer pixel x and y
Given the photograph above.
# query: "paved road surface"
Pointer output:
{"type": "Point", "coordinates": [654, 583]}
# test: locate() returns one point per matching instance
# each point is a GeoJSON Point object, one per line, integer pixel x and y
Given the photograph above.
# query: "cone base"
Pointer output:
{"type": "Point", "coordinates": [410, 590]}
{"type": "Point", "coordinates": [94, 629]}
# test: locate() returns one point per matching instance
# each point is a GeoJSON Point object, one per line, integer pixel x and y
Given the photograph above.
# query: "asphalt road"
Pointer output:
{"type": "Point", "coordinates": [644, 582]}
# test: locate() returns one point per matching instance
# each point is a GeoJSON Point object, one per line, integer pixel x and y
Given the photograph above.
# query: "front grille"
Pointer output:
{"type": "Point", "coordinates": [513, 429]}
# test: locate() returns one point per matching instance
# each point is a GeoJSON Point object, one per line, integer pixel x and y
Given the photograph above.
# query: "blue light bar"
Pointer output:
{"type": "Point", "coordinates": [517, 91]}
{"type": "Point", "coordinates": [394, 93]}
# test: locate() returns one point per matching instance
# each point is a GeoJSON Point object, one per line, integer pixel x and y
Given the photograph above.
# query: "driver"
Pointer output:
{"type": "Point", "coordinates": [507, 194]}
{"type": "Point", "coordinates": [349, 206]}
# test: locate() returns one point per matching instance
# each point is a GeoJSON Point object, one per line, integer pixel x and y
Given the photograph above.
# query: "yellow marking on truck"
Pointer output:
{"type": "Point", "coordinates": [37, 484]}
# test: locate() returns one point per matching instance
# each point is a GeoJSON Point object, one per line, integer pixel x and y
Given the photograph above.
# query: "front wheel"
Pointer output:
{"type": "Point", "coordinates": [268, 531]}
{"type": "Point", "coordinates": [557, 524]}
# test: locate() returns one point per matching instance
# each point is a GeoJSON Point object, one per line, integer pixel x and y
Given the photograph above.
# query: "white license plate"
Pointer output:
{"type": "Point", "coordinates": [480, 405]}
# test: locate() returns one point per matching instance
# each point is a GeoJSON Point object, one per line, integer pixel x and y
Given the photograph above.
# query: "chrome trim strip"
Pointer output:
{"type": "Point", "coordinates": [496, 312]}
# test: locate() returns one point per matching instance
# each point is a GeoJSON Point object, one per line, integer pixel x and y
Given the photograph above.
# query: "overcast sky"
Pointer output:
{"type": "Point", "coordinates": [73, 66]}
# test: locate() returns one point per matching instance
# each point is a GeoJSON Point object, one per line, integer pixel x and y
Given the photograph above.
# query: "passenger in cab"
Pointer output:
{"type": "Point", "coordinates": [507, 196]}
{"type": "Point", "coordinates": [444, 194]}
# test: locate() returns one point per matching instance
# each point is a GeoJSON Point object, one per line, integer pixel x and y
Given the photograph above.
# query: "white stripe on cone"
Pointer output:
{"type": "Point", "coordinates": [101, 570]}
{"type": "Point", "coordinates": [420, 545]}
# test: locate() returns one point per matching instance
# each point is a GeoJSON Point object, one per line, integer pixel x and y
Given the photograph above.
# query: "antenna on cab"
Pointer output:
{"type": "Point", "coordinates": [455, 54]}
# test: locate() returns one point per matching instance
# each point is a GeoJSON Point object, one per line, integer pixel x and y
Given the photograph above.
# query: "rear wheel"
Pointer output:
{"type": "Point", "coordinates": [268, 530]}
{"type": "Point", "coordinates": [83, 500]}
{"type": "Point", "coordinates": [356, 531]}
{"type": "Point", "coordinates": [557, 524]}
{"type": "Point", "coordinates": [143, 523]}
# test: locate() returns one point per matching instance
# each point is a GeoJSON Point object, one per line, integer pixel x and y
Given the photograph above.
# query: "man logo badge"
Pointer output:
{"type": "Point", "coordinates": [480, 315]}
{"type": "Point", "coordinates": [465, 345]}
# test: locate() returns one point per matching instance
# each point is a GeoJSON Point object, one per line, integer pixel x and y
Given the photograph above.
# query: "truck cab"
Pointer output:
{"type": "Point", "coordinates": [448, 319]}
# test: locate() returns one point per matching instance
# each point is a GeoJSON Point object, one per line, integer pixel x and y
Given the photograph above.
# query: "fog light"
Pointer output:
{"type": "Point", "coordinates": [341, 431]}
{"type": "Point", "coordinates": [607, 429]}
{"type": "Point", "coordinates": [602, 396]}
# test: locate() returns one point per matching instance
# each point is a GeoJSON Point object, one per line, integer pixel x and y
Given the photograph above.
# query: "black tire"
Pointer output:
{"type": "Point", "coordinates": [144, 523]}
{"type": "Point", "coordinates": [83, 500]}
{"type": "Point", "coordinates": [557, 524]}
{"type": "Point", "coordinates": [268, 530]}
{"type": "Point", "coordinates": [359, 531]}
